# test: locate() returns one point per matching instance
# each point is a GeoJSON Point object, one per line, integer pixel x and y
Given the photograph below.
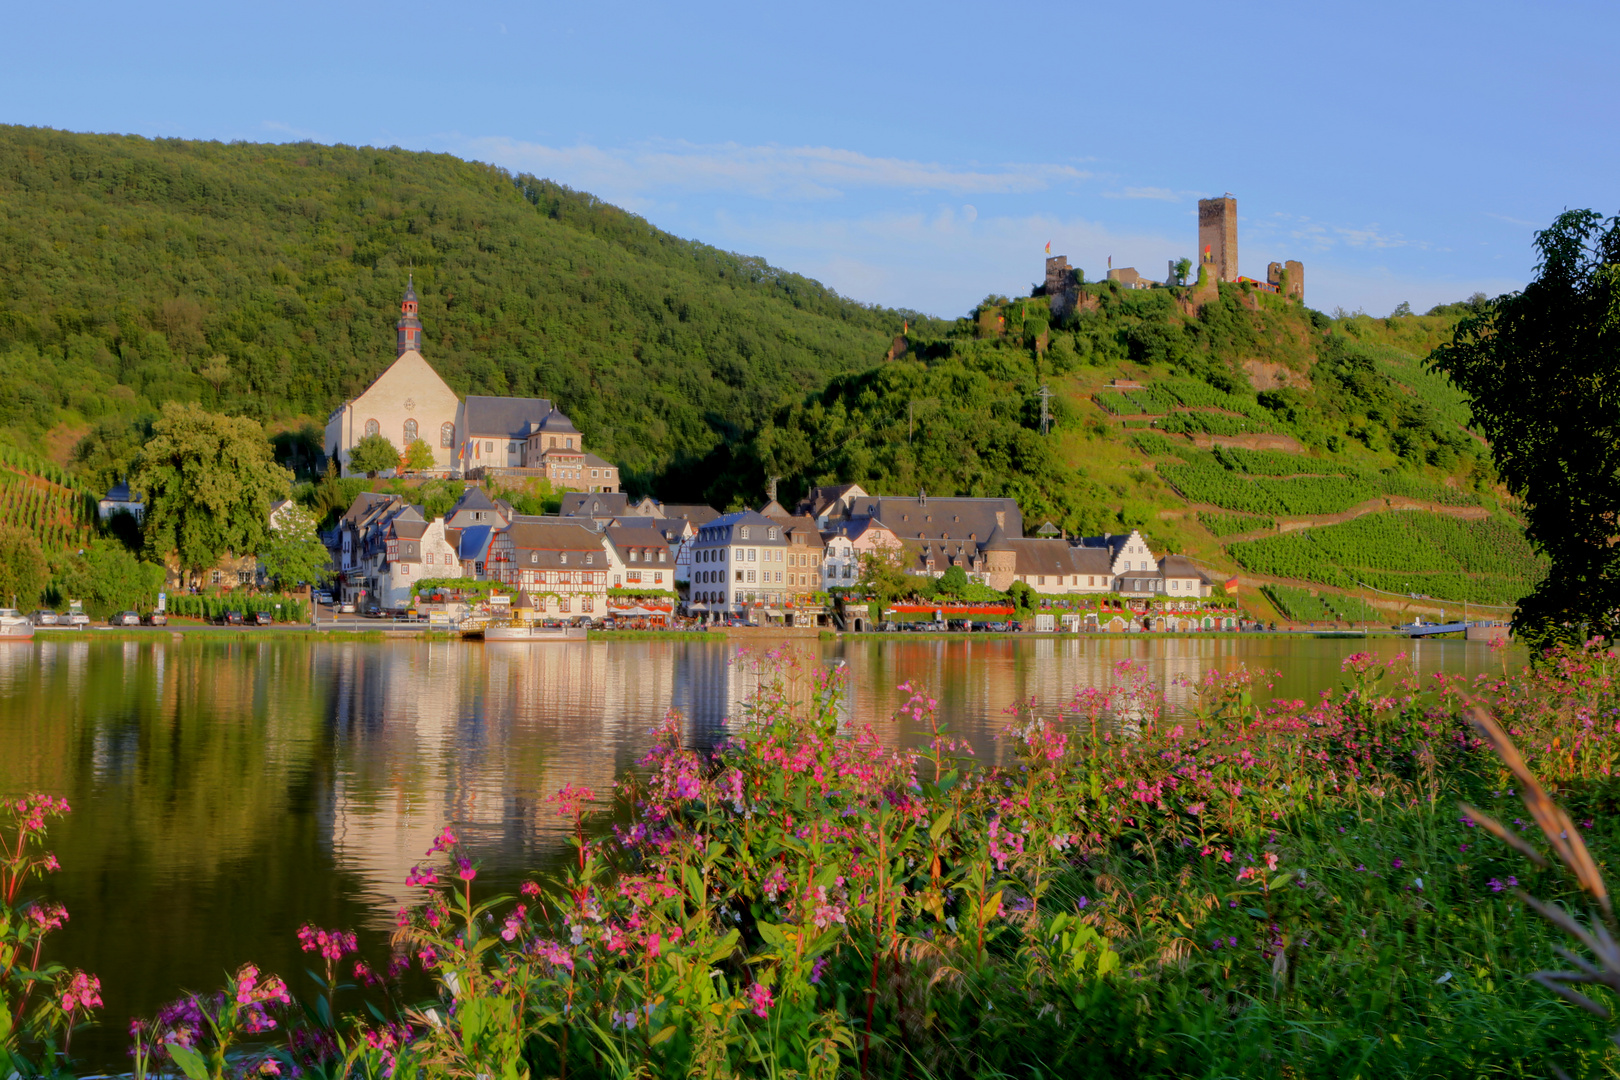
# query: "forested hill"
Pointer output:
{"type": "Point", "coordinates": [129, 266]}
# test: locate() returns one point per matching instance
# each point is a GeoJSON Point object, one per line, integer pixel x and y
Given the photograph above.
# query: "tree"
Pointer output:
{"type": "Point", "coordinates": [108, 578]}
{"type": "Point", "coordinates": [953, 582]}
{"type": "Point", "coordinates": [419, 456]}
{"type": "Point", "coordinates": [1183, 268]}
{"type": "Point", "coordinates": [883, 574]}
{"type": "Point", "coordinates": [22, 567]}
{"type": "Point", "coordinates": [373, 454]}
{"type": "Point", "coordinates": [1542, 368]}
{"type": "Point", "coordinates": [209, 482]}
{"type": "Point", "coordinates": [294, 552]}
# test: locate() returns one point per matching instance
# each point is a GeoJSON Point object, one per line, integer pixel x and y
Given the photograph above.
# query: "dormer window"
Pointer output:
{"type": "Point", "coordinates": [770, 534]}
{"type": "Point", "coordinates": [564, 558]}
{"type": "Point", "coordinates": [742, 532]}
{"type": "Point", "coordinates": [589, 559]}
{"type": "Point", "coordinates": [534, 556]}
{"type": "Point", "coordinates": [632, 555]}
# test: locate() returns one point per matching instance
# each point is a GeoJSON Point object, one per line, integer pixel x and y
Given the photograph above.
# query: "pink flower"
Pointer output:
{"type": "Point", "coordinates": [443, 842]}
{"type": "Point", "coordinates": [1271, 860]}
{"type": "Point", "coordinates": [465, 869]}
{"type": "Point", "coordinates": [331, 944]}
{"type": "Point", "coordinates": [761, 996]}
{"type": "Point", "coordinates": [83, 992]}
{"type": "Point", "coordinates": [424, 876]}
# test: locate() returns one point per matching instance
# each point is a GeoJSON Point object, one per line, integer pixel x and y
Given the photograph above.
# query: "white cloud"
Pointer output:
{"type": "Point", "coordinates": [766, 172]}
{"type": "Point", "coordinates": [1159, 193]}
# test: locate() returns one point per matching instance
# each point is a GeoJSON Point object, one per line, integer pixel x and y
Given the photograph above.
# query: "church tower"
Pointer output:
{"type": "Point", "coordinates": [409, 326]}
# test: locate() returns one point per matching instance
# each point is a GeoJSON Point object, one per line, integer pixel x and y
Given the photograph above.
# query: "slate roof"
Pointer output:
{"type": "Point", "coordinates": [818, 500]}
{"type": "Point", "coordinates": [364, 504]}
{"type": "Point", "coordinates": [1179, 566]}
{"type": "Point", "coordinates": [758, 523]}
{"type": "Point", "coordinates": [1049, 557]}
{"type": "Point", "coordinates": [474, 543]}
{"type": "Point", "coordinates": [506, 417]}
{"type": "Point", "coordinates": [646, 538]}
{"type": "Point", "coordinates": [697, 513]}
{"type": "Point", "coordinates": [120, 493]}
{"type": "Point", "coordinates": [541, 544]}
{"type": "Point", "coordinates": [949, 518]}
{"type": "Point", "coordinates": [594, 503]}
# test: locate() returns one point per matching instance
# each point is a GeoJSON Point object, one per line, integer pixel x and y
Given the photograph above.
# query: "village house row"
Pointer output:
{"type": "Point", "coordinates": [771, 562]}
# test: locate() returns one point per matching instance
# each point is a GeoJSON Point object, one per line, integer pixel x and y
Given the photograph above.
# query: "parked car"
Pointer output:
{"type": "Point", "coordinates": [75, 616]}
{"type": "Point", "coordinates": [263, 618]}
{"type": "Point", "coordinates": [346, 608]}
{"type": "Point", "coordinates": [43, 617]}
{"type": "Point", "coordinates": [124, 618]}
{"type": "Point", "coordinates": [231, 618]}
{"type": "Point", "coordinates": [157, 618]}
{"type": "Point", "coordinates": [323, 597]}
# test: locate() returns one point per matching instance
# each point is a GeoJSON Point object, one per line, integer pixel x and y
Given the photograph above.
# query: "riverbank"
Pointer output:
{"type": "Point", "coordinates": [1180, 902]}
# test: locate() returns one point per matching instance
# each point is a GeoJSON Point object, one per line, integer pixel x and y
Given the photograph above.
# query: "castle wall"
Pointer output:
{"type": "Point", "coordinates": [1217, 236]}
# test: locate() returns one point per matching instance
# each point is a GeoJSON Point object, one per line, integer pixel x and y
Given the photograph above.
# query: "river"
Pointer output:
{"type": "Point", "coordinates": [227, 791]}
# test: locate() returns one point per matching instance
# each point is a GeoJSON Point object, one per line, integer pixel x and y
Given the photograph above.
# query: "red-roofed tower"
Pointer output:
{"type": "Point", "coordinates": [409, 326]}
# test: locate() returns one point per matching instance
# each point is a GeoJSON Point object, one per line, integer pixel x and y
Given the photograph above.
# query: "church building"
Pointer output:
{"type": "Point", "coordinates": [516, 437]}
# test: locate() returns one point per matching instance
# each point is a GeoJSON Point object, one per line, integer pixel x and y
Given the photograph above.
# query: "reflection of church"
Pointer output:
{"type": "Point", "coordinates": [519, 437]}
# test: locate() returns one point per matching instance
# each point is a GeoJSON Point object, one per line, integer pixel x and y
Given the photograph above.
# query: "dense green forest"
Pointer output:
{"type": "Point", "coordinates": [264, 280]}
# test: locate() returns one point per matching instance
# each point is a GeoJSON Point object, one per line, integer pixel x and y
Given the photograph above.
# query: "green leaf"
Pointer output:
{"type": "Point", "coordinates": [941, 823]}
{"type": "Point", "coordinates": [772, 933]}
{"type": "Point", "coordinates": [193, 1064]}
{"type": "Point", "coordinates": [695, 886]}
{"type": "Point", "coordinates": [724, 947]}
{"type": "Point", "coordinates": [664, 1034]}
{"type": "Point", "coordinates": [1255, 913]}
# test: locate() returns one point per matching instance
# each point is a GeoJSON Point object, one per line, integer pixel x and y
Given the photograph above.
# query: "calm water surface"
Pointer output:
{"type": "Point", "coordinates": [226, 792]}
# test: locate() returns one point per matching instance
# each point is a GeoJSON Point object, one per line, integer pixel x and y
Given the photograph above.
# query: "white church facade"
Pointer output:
{"type": "Point", "coordinates": [519, 437]}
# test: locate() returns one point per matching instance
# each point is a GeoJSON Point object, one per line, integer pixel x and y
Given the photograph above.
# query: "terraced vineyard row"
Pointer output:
{"type": "Point", "coordinates": [1302, 605]}
{"type": "Point", "coordinates": [57, 515]}
{"type": "Point", "coordinates": [1408, 552]}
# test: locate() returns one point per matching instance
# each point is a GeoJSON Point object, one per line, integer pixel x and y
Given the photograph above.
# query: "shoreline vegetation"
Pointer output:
{"type": "Point", "coordinates": [1212, 889]}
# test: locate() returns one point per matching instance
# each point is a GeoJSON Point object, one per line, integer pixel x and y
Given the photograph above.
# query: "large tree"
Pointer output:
{"type": "Point", "coordinates": [1542, 368]}
{"type": "Point", "coordinates": [209, 482]}
{"type": "Point", "coordinates": [373, 454]}
{"type": "Point", "coordinates": [294, 552]}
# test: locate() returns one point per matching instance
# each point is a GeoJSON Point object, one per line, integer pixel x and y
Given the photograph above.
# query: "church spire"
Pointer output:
{"type": "Point", "coordinates": [409, 326]}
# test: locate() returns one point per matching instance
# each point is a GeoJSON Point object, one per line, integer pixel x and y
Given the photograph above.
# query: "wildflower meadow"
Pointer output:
{"type": "Point", "coordinates": [1217, 888]}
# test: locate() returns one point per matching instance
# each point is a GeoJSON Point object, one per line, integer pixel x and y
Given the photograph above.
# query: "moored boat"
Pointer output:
{"type": "Point", "coordinates": [14, 626]}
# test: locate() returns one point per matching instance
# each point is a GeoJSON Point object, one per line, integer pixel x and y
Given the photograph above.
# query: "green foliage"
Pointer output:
{"type": "Point", "coordinates": [953, 582]}
{"type": "Point", "coordinates": [108, 577]}
{"type": "Point", "coordinates": [23, 568]}
{"type": "Point", "coordinates": [294, 554]}
{"type": "Point", "coordinates": [418, 456]}
{"type": "Point", "coordinates": [288, 261]}
{"type": "Point", "coordinates": [213, 606]}
{"type": "Point", "coordinates": [1486, 561]}
{"type": "Point", "coordinates": [107, 453]}
{"type": "Point", "coordinates": [1302, 605]}
{"type": "Point", "coordinates": [209, 482]}
{"type": "Point", "coordinates": [373, 454]}
{"type": "Point", "coordinates": [1540, 367]}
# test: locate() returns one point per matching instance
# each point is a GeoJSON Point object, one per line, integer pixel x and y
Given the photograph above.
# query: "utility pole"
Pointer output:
{"type": "Point", "coordinates": [1046, 416]}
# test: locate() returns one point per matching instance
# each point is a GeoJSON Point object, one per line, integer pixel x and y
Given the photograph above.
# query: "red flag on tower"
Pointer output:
{"type": "Point", "coordinates": [1049, 247]}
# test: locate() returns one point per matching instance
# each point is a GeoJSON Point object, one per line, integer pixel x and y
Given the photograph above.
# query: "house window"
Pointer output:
{"type": "Point", "coordinates": [593, 474]}
{"type": "Point", "coordinates": [373, 428]}
{"type": "Point", "coordinates": [770, 534]}
{"type": "Point", "coordinates": [478, 569]}
{"type": "Point", "coordinates": [534, 556]}
{"type": "Point", "coordinates": [1175, 585]}
{"type": "Point", "coordinates": [218, 577]}
{"type": "Point", "coordinates": [569, 443]}
{"type": "Point", "coordinates": [404, 569]}
{"type": "Point", "coordinates": [632, 555]}
{"type": "Point", "coordinates": [1043, 579]}
{"type": "Point", "coordinates": [410, 432]}
{"type": "Point", "coordinates": [751, 553]}
{"type": "Point", "coordinates": [563, 605]}
{"type": "Point", "coordinates": [586, 604]}
{"type": "Point", "coordinates": [739, 575]}
{"type": "Point", "coordinates": [489, 448]}
{"type": "Point", "coordinates": [564, 558]}
{"type": "Point", "coordinates": [244, 577]}
{"type": "Point", "coordinates": [447, 435]}
{"type": "Point", "coordinates": [430, 558]}
{"type": "Point", "coordinates": [1091, 580]}
{"type": "Point", "coordinates": [589, 559]}
{"type": "Point", "coordinates": [658, 577]}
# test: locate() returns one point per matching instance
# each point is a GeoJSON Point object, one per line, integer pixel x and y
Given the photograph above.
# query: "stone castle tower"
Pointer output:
{"type": "Point", "coordinates": [409, 327]}
{"type": "Point", "coordinates": [1217, 237]}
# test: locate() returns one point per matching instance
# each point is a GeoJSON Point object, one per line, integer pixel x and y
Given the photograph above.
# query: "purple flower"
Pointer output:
{"type": "Point", "coordinates": [1397, 863]}
{"type": "Point", "coordinates": [816, 969]}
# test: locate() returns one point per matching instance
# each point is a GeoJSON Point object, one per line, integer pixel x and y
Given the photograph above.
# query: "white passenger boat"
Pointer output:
{"type": "Point", "coordinates": [14, 626]}
{"type": "Point", "coordinates": [522, 631]}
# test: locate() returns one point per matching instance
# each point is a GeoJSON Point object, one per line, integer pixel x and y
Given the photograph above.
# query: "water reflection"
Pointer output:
{"type": "Point", "coordinates": [226, 791]}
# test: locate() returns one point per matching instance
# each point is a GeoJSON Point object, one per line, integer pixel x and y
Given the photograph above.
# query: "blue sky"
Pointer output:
{"type": "Point", "coordinates": [921, 155]}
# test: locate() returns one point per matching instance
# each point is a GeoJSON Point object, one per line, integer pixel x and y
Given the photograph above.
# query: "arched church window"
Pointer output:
{"type": "Point", "coordinates": [410, 432]}
{"type": "Point", "coordinates": [373, 428]}
{"type": "Point", "coordinates": [447, 435]}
